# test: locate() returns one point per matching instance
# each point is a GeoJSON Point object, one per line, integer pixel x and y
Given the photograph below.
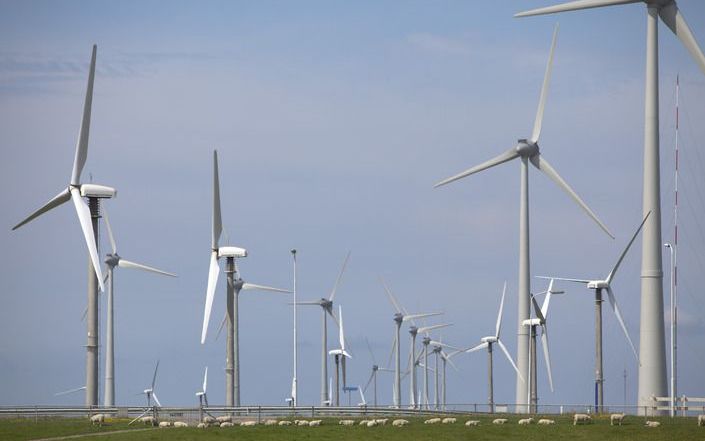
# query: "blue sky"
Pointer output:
{"type": "Point", "coordinates": [333, 121]}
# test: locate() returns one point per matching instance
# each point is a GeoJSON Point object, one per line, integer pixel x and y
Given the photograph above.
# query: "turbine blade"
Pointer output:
{"type": "Point", "coordinates": [564, 279]}
{"type": "Point", "coordinates": [574, 6]}
{"type": "Point", "coordinates": [249, 286]}
{"type": "Point", "coordinates": [547, 300]}
{"type": "Point", "coordinates": [369, 348]}
{"type": "Point", "coordinates": [222, 324]}
{"type": "Point", "coordinates": [205, 380]}
{"type": "Point", "coordinates": [340, 276]}
{"type": "Point", "coordinates": [392, 299]}
{"type": "Point", "coordinates": [82, 144]}
{"type": "Point", "coordinates": [84, 217]}
{"type": "Point", "coordinates": [443, 345]}
{"type": "Point", "coordinates": [425, 329]}
{"type": "Point", "coordinates": [498, 326]}
{"type": "Point", "coordinates": [671, 15]}
{"type": "Point", "coordinates": [509, 357]}
{"type": "Point", "coordinates": [110, 230]}
{"type": "Point", "coordinates": [217, 220]}
{"type": "Point", "coordinates": [544, 90]}
{"type": "Point", "coordinates": [156, 399]}
{"type": "Point", "coordinates": [341, 335]}
{"type": "Point", "coordinates": [537, 310]}
{"type": "Point", "coordinates": [411, 317]}
{"type": "Point", "coordinates": [615, 308]}
{"type": "Point", "coordinates": [540, 163]}
{"type": "Point", "coordinates": [154, 377]}
{"type": "Point", "coordinates": [504, 157]}
{"type": "Point", "coordinates": [122, 263]}
{"type": "Point", "coordinates": [546, 356]}
{"type": "Point", "coordinates": [477, 348]}
{"type": "Point", "coordinates": [57, 200]}
{"type": "Point", "coordinates": [70, 391]}
{"type": "Point", "coordinates": [610, 276]}
{"type": "Point", "coordinates": [455, 368]}
{"type": "Point", "coordinates": [372, 375]}
{"type": "Point", "coordinates": [213, 272]}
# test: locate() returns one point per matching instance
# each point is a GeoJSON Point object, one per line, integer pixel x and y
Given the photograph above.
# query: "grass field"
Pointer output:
{"type": "Point", "coordinates": [672, 430]}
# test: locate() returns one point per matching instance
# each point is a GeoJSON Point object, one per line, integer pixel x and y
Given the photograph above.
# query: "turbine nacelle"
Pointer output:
{"type": "Point", "coordinates": [235, 252]}
{"type": "Point", "coordinates": [97, 191]}
{"type": "Point", "coordinates": [398, 317]}
{"type": "Point", "coordinates": [533, 322]}
{"type": "Point", "coordinates": [490, 339]}
{"type": "Point", "coordinates": [598, 284]}
{"type": "Point", "coordinates": [112, 260]}
{"type": "Point", "coordinates": [526, 148]}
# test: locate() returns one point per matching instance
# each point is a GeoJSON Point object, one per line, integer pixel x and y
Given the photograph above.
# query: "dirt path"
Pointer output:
{"type": "Point", "coordinates": [91, 434]}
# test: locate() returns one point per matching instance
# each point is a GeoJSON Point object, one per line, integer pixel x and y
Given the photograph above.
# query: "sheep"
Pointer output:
{"type": "Point", "coordinates": [180, 424]}
{"type": "Point", "coordinates": [148, 420]}
{"type": "Point", "coordinates": [499, 421]}
{"type": "Point", "coordinates": [382, 421]}
{"type": "Point", "coordinates": [400, 422]}
{"type": "Point", "coordinates": [363, 422]}
{"type": "Point", "coordinates": [165, 424]}
{"type": "Point", "coordinates": [302, 422]}
{"type": "Point", "coordinates": [248, 423]}
{"type": "Point", "coordinates": [202, 425]}
{"type": "Point", "coordinates": [346, 422]}
{"type": "Point", "coordinates": [616, 418]}
{"type": "Point", "coordinates": [315, 423]}
{"type": "Point", "coordinates": [449, 420]}
{"type": "Point", "coordinates": [525, 421]}
{"type": "Point", "coordinates": [546, 422]}
{"type": "Point", "coordinates": [98, 419]}
{"type": "Point", "coordinates": [372, 423]}
{"type": "Point", "coordinates": [226, 424]}
{"type": "Point", "coordinates": [270, 423]}
{"type": "Point", "coordinates": [581, 418]}
{"type": "Point", "coordinates": [224, 419]}
{"type": "Point", "coordinates": [208, 419]}
{"type": "Point", "coordinates": [701, 420]}
{"type": "Point", "coordinates": [652, 424]}
{"type": "Point", "coordinates": [284, 423]}
{"type": "Point", "coordinates": [472, 423]}
{"type": "Point", "coordinates": [432, 421]}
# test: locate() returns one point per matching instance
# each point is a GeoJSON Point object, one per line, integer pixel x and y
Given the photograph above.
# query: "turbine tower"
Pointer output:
{"type": "Point", "coordinates": [340, 355]}
{"type": "Point", "coordinates": [88, 215]}
{"type": "Point", "coordinates": [235, 285]}
{"type": "Point", "coordinates": [487, 342]}
{"type": "Point", "coordinates": [149, 394]}
{"type": "Point", "coordinates": [114, 260]}
{"type": "Point", "coordinates": [652, 348]}
{"type": "Point", "coordinates": [373, 376]}
{"type": "Point", "coordinates": [599, 286]}
{"type": "Point", "coordinates": [413, 330]}
{"type": "Point", "coordinates": [326, 305]}
{"type": "Point", "coordinates": [528, 151]}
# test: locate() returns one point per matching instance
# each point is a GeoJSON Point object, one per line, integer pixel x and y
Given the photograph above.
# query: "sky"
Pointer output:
{"type": "Point", "coordinates": [333, 120]}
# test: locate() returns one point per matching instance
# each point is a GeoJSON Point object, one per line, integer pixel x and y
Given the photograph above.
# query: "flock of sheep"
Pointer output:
{"type": "Point", "coordinates": [228, 421]}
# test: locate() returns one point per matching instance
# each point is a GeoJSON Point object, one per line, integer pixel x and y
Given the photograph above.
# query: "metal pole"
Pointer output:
{"type": "Point", "coordinates": [599, 390]}
{"type": "Point", "coordinates": [230, 339]}
{"type": "Point", "coordinates": [673, 340]}
{"type": "Point", "coordinates": [490, 391]}
{"type": "Point", "coordinates": [92, 316]}
{"type": "Point", "coordinates": [109, 395]}
{"type": "Point", "coordinates": [397, 372]}
{"type": "Point", "coordinates": [337, 381]}
{"type": "Point", "coordinates": [652, 354]}
{"type": "Point", "coordinates": [435, 383]}
{"type": "Point", "coordinates": [426, 342]}
{"type": "Point", "coordinates": [524, 290]}
{"type": "Point", "coordinates": [414, 399]}
{"type": "Point", "coordinates": [532, 367]}
{"type": "Point", "coordinates": [375, 385]}
{"type": "Point", "coordinates": [295, 385]}
{"type": "Point", "coordinates": [443, 390]}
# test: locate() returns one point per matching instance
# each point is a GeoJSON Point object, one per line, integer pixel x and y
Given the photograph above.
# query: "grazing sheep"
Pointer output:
{"type": "Point", "coordinates": [652, 424]}
{"type": "Point", "coordinates": [499, 421]}
{"type": "Point", "coordinates": [399, 423]}
{"type": "Point", "coordinates": [202, 425]}
{"type": "Point", "coordinates": [224, 419]}
{"type": "Point", "coordinates": [581, 418]}
{"type": "Point", "coordinates": [525, 421]}
{"type": "Point", "coordinates": [209, 419]}
{"type": "Point", "coordinates": [315, 423]}
{"type": "Point", "coordinates": [248, 423]}
{"type": "Point", "coordinates": [364, 422]}
{"type": "Point", "coordinates": [302, 422]}
{"type": "Point", "coordinates": [227, 424]}
{"type": "Point", "coordinates": [98, 419]}
{"type": "Point", "coordinates": [382, 421]}
{"type": "Point", "coordinates": [346, 422]}
{"type": "Point", "coordinates": [449, 420]}
{"type": "Point", "coordinates": [148, 420]}
{"type": "Point", "coordinates": [372, 423]}
{"type": "Point", "coordinates": [546, 422]}
{"type": "Point", "coordinates": [270, 423]}
{"type": "Point", "coordinates": [180, 424]}
{"type": "Point", "coordinates": [165, 424]}
{"type": "Point", "coordinates": [472, 423]}
{"type": "Point", "coordinates": [701, 420]}
{"type": "Point", "coordinates": [432, 421]}
{"type": "Point", "coordinates": [284, 423]}
{"type": "Point", "coordinates": [616, 418]}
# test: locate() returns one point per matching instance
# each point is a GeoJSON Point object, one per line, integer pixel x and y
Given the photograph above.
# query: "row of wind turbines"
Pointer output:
{"type": "Point", "coordinates": [89, 198]}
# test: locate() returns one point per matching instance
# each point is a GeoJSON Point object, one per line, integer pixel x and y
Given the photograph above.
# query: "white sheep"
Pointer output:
{"type": "Point", "coordinates": [499, 421]}
{"type": "Point", "coordinates": [180, 424]}
{"type": "Point", "coordinates": [400, 422]}
{"type": "Point", "coordinates": [224, 419]}
{"type": "Point", "coordinates": [209, 419]}
{"type": "Point", "coordinates": [148, 420]}
{"type": "Point", "coordinates": [472, 423]}
{"type": "Point", "coordinates": [652, 424]}
{"type": "Point", "coordinates": [270, 423]}
{"type": "Point", "coordinates": [525, 421]}
{"type": "Point", "coordinates": [372, 423]}
{"type": "Point", "coordinates": [315, 423]}
{"type": "Point", "coordinates": [226, 424]}
{"type": "Point", "coordinates": [432, 421]}
{"type": "Point", "coordinates": [616, 418]}
{"type": "Point", "coordinates": [449, 420]}
{"type": "Point", "coordinates": [364, 422]}
{"type": "Point", "coordinates": [284, 423]}
{"type": "Point", "coordinates": [98, 419]}
{"type": "Point", "coordinates": [248, 423]}
{"type": "Point", "coordinates": [202, 425]}
{"type": "Point", "coordinates": [546, 422]}
{"type": "Point", "coordinates": [302, 422]}
{"type": "Point", "coordinates": [701, 420]}
{"type": "Point", "coordinates": [165, 424]}
{"type": "Point", "coordinates": [382, 421]}
{"type": "Point", "coordinates": [581, 418]}
{"type": "Point", "coordinates": [346, 422]}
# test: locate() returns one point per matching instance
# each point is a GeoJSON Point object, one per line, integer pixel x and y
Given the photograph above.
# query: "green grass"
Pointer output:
{"type": "Point", "coordinates": [633, 429]}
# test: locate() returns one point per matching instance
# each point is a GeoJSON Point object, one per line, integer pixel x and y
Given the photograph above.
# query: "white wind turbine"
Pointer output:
{"type": "Point", "coordinates": [399, 317]}
{"type": "Point", "coordinates": [527, 150]}
{"type": "Point", "coordinates": [413, 330]}
{"type": "Point", "coordinates": [373, 375]}
{"type": "Point", "coordinates": [340, 355]}
{"type": "Point", "coordinates": [599, 286]}
{"type": "Point", "coordinates": [149, 394]}
{"type": "Point", "coordinates": [445, 358]}
{"type": "Point", "coordinates": [652, 369]}
{"type": "Point", "coordinates": [235, 285]}
{"type": "Point", "coordinates": [202, 395]}
{"type": "Point", "coordinates": [487, 342]}
{"type": "Point", "coordinates": [115, 260]}
{"type": "Point", "coordinates": [326, 305]}
{"type": "Point", "coordinates": [531, 323]}
{"type": "Point", "coordinates": [88, 215]}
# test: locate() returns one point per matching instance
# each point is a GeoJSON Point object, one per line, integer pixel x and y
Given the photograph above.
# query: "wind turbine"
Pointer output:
{"type": "Point", "coordinates": [340, 355]}
{"type": "Point", "coordinates": [88, 215]}
{"type": "Point", "coordinates": [326, 305]}
{"type": "Point", "coordinates": [399, 317]}
{"type": "Point", "coordinates": [598, 286]}
{"type": "Point", "coordinates": [487, 342]}
{"type": "Point", "coordinates": [202, 396]}
{"type": "Point", "coordinates": [413, 330]}
{"type": "Point", "coordinates": [235, 285]}
{"type": "Point", "coordinates": [446, 358]}
{"type": "Point", "coordinates": [531, 323]}
{"type": "Point", "coordinates": [114, 260]}
{"type": "Point", "coordinates": [528, 151]}
{"type": "Point", "coordinates": [652, 369]}
{"type": "Point", "coordinates": [149, 394]}
{"type": "Point", "coordinates": [373, 376]}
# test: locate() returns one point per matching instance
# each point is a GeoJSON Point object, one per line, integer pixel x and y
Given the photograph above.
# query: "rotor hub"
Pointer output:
{"type": "Point", "coordinates": [526, 148]}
